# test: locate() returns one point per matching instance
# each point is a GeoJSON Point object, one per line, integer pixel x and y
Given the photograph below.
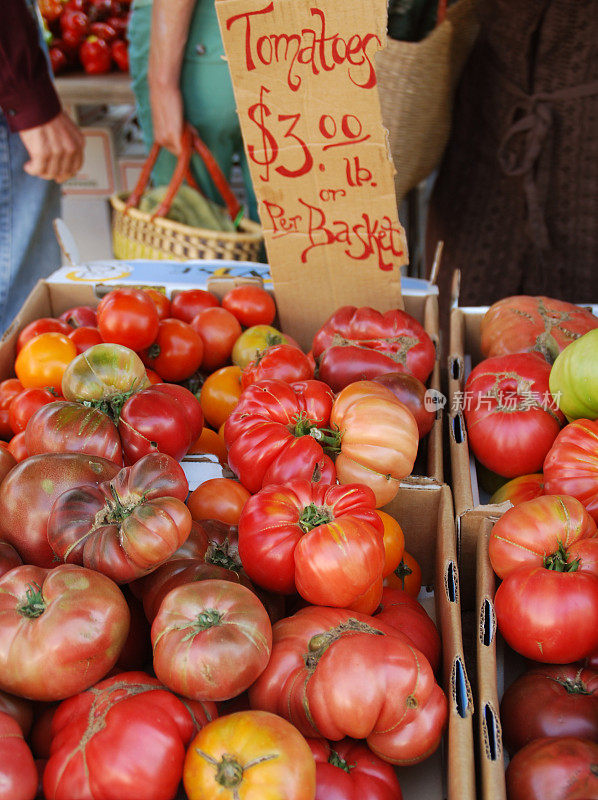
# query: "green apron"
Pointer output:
{"type": "Point", "coordinates": [207, 91]}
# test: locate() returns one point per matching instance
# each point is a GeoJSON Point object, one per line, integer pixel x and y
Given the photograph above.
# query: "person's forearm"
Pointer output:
{"type": "Point", "coordinates": [170, 29]}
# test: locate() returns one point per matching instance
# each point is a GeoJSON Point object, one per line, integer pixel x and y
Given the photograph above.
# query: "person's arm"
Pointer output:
{"type": "Point", "coordinates": [170, 29]}
{"type": "Point", "coordinates": [29, 100]}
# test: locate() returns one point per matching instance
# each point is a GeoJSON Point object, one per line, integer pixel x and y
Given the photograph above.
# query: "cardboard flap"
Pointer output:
{"type": "Point", "coordinates": [306, 93]}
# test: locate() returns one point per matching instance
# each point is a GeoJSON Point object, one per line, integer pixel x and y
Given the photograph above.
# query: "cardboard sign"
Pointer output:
{"type": "Point", "coordinates": [307, 98]}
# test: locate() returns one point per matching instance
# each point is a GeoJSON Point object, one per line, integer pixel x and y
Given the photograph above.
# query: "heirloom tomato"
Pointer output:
{"type": "Point", "coordinates": [187, 303]}
{"type": "Point", "coordinates": [412, 392]}
{"type": "Point", "coordinates": [571, 466]}
{"type": "Point", "coordinates": [522, 324]}
{"type": "Point", "coordinates": [218, 624]}
{"type": "Point", "coordinates": [20, 709]}
{"type": "Point", "coordinates": [17, 767]}
{"type": "Point", "coordinates": [128, 317]}
{"type": "Point", "coordinates": [24, 406]}
{"type": "Point", "coordinates": [176, 352]}
{"type": "Point", "coordinates": [360, 343]}
{"type": "Point", "coordinates": [123, 739]}
{"type": "Point", "coordinates": [250, 754]}
{"type": "Point", "coordinates": [378, 438]}
{"type": "Point", "coordinates": [105, 375]}
{"type": "Point", "coordinates": [324, 541]}
{"type": "Point", "coordinates": [407, 576]}
{"type": "Point", "coordinates": [336, 673]}
{"type": "Point", "coordinates": [550, 701]}
{"type": "Point", "coordinates": [544, 531]}
{"type": "Point", "coordinates": [222, 499]}
{"type": "Point", "coordinates": [520, 489]}
{"type": "Point", "coordinates": [574, 378]}
{"type": "Point", "coordinates": [348, 770]}
{"type": "Point", "coordinates": [251, 305]}
{"type": "Point", "coordinates": [164, 417]}
{"type": "Point", "coordinates": [9, 558]}
{"type": "Point", "coordinates": [282, 362]}
{"type": "Point", "coordinates": [219, 330]}
{"type": "Point", "coordinates": [39, 326]}
{"type": "Point", "coordinates": [68, 427]}
{"type": "Point", "coordinates": [554, 769]}
{"type": "Point", "coordinates": [252, 342]}
{"type": "Point", "coordinates": [29, 491]}
{"type": "Point", "coordinates": [61, 630]}
{"type": "Point", "coordinates": [547, 615]}
{"type": "Point", "coordinates": [403, 612]}
{"type": "Point", "coordinates": [43, 360]}
{"type": "Point", "coordinates": [127, 526]}
{"type": "Point", "coordinates": [220, 394]}
{"type": "Point", "coordinates": [512, 419]}
{"type": "Point", "coordinates": [394, 543]}
{"type": "Point", "coordinates": [277, 433]}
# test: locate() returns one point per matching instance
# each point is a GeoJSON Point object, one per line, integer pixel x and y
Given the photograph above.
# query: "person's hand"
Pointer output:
{"type": "Point", "coordinates": [167, 116]}
{"type": "Point", "coordinates": [55, 149]}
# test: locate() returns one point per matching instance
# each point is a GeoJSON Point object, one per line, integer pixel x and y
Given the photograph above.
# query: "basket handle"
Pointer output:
{"type": "Point", "coordinates": [190, 142]}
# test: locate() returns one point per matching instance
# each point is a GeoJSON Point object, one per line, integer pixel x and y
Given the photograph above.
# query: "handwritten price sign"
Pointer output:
{"type": "Point", "coordinates": [306, 93]}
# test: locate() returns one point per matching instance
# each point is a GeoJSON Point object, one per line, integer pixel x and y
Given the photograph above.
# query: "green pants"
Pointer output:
{"type": "Point", "coordinates": [208, 99]}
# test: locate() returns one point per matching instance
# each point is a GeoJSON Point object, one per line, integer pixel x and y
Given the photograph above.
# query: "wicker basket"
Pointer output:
{"type": "Point", "coordinates": [137, 234]}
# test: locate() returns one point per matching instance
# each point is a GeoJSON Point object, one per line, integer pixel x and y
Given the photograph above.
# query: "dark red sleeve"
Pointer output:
{"type": "Point", "coordinates": [27, 94]}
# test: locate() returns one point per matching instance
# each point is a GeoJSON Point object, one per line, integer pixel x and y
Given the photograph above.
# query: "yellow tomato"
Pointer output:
{"type": "Point", "coordinates": [253, 341]}
{"type": "Point", "coordinates": [43, 360]}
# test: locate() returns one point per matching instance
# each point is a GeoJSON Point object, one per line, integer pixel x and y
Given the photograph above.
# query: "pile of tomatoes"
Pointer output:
{"type": "Point", "coordinates": [533, 417]}
{"type": "Point", "coordinates": [257, 635]}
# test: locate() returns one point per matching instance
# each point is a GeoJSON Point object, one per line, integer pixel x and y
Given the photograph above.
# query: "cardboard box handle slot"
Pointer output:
{"type": "Point", "coordinates": [458, 429]}
{"type": "Point", "coordinates": [461, 690]}
{"type": "Point", "coordinates": [492, 734]}
{"type": "Point", "coordinates": [451, 584]}
{"type": "Point", "coordinates": [455, 368]}
{"type": "Point", "coordinates": [487, 623]}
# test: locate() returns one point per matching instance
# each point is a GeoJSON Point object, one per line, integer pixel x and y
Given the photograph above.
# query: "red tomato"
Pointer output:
{"type": "Point", "coordinates": [41, 479]}
{"type": "Point", "coordinates": [550, 701]}
{"type": "Point", "coordinates": [520, 489]}
{"type": "Point", "coordinates": [153, 376]}
{"type": "Point", "coordinates": [128, 317]}
{"type": "Point", "coordinates": [85, 337]}
{"type": "Point", "coordinates": [249, 754]}
{"type": "Point", "coordinates": [549, 616]}
{"type": "Point", "coordinates": [282, 362]}
{"type": "Point", "coordinates": [24, 406]}
{"type": "Point", "coordinates": [127, 526]}
{"type": "Point", "coordinates": [352, 662]}
{"type": "Point", "coordinates": [17, 767]}
{"type": "Point", "coordinates": [251, 305]}
{"type": "Point", "coordinates": [348, 770]}
{"type": "Point", "coordinates": [255, 340]}
{"type": "Point", "coordinates": [219, 330]}
{"type": "Point", "coordinates": [218, 498]}
{"type": "Point", "coordinates": [511, 418]}
{"type": "Point", "coordinates": [188, 303]}
{"type": "Point", "coordinates": [76, 624]}
{"type": "Point", "coordinates": [67, 427]}
{"type": "Point", "coordinates": [9, 389]}
{"type": "Point", "coordinates": [571, 466]}
{"type": "Point", "coordinates": [9, 558]}
{"type": "Point", "coordinates": [164, 418]}
{"type": "Point", "coordinates": [412, 392]}
{"type": "Point", "coordinates": [7, 462]}
{"type": "Point", "coordinates": [221, 625]}
{"type": "Point", "coordinates": [539, 532]}
{"type": "Point", "coordinates": [160, 300]}
{"type": "Point", "coordinates": [43, 360]}
{"type": "Point", "coordinates": [360, 343]}
{"type": "Point", "coordinates": [106, 725]}
{"type": "Point", "coordinates": [554, 769]}
{"type": "Point", "coordinates": [407, 576]}
{"type": "Point", "coordinates": [80, 317]}
{"type": "Point", "coordinates": [177, 351]}
{"type": "Point", "coordinates": [38, 326]}
{"type": "Point", "coordinates": [20, 709]}
{"type": "Point", "coordinates": [403, 612]}
{"type": "Point", "coordinates": [17, 447]}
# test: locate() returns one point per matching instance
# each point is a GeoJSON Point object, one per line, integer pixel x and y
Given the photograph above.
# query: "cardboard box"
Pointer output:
{"type": "Point", "coordinates": [97, 176]}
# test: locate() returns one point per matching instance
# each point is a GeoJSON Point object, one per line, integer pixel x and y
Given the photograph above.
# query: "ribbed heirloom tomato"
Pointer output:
{"type": "Point", "coordinates": [571, 466]}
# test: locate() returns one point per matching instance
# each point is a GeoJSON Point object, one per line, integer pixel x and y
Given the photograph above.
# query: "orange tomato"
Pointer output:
{"type": "Point", "coordinates": [220, 394]}
{"type": "Point", "coordinates": [210, 442]}
{"type": "Point", "coordinates": [394, 542]}
{"type": "Point", "coordinates": [43, 360]}
{"type": "Point", "coordinates": [218, 498]}
{"type": "Point", "coordinates": [407, 576]}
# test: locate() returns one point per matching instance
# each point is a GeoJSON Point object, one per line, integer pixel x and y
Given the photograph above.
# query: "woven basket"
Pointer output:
{"type": "Point", "coordinates": [417, 83]}
{"type": "Point", "coordinates": [137, 234]}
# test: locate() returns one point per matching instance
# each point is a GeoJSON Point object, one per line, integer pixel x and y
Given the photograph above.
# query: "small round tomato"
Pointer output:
{"type": "Point", "coordinates": [160, 300]}
{"type": "Point", "coordinates": [18, 447]}
{"type": "Point", "coordinates": [251, 305]}
{"type": "Point", "coordinates": [219, 330]}
{"type": "Point", "coordinates": [128, 317]}
{"type": "Point", "coordinates": [177, 351]}
{"type": "Point", "coordinates": [187, 304]}
{"type": "Point", "coordinates": [254, 341]}
{"type": "Point", "coordinates": [249, 754]}
{"type": "Point", "coordinates": [80, 316]}
{"type": "Point", "coordinates": [394, 542]}
{"type": "Point", "coordinates": [283, 362]}
{"type": "Point", "coordinates": [220, 394]}
{"type": "Point", "coordinates": [43, 361]}
{"type": "Point", "coordinates": [218, 498]}
{"type": "Point", "coordinates": [407, 576]}
{"type": "Point", "coordinates": [209, 442]}
{"type": "Point", "coordinates": [9, 389]}
{"type": "Point", "coordinates": [24, 406]}
{"type": "Point", "coordinates": [43, 325]}
{"type": "Point", "coordinates": [84, 337]}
